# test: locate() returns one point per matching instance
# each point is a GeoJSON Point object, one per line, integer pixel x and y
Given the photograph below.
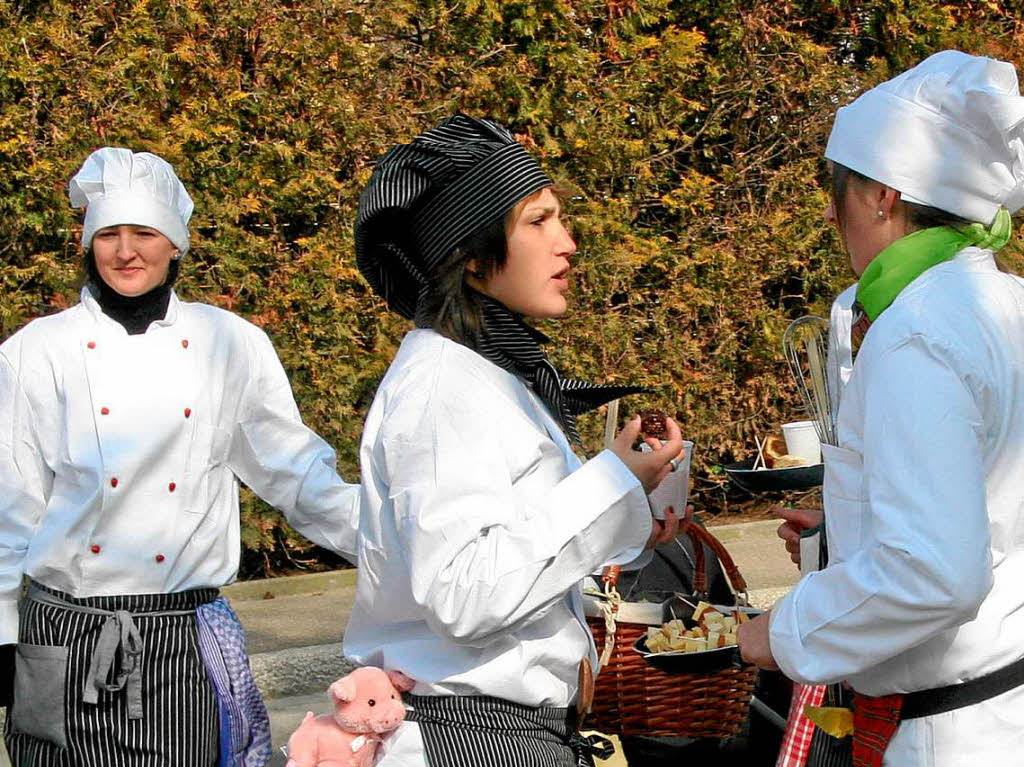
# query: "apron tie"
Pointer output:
{"type": "Point", "coordinates": [119, 639]}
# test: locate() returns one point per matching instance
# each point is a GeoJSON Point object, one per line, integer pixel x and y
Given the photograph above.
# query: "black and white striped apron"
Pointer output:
{"type": "Point", "coordinates": [137, 657]}
{"type": "Point", "coordinates": [826, 751]}
{"type": "Point", "coordinates": [471, 731]}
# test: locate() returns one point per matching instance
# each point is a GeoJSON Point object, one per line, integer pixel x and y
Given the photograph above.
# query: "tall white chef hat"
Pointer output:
{"type": "Point", "coordinates": [118, 186]}
{"type": "Point", "coordinates": [948, 133]}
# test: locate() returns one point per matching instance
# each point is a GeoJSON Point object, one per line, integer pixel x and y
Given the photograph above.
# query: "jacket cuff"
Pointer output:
{"type": "Point", "coordinates": [604, 503]}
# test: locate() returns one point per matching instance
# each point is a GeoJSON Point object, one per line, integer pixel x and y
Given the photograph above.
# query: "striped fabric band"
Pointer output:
{"type": "Point", "coordinates": [486, 192]}
{"type": "Point", "coordinates": [470, 731]}
{"type": "Point", "coordinates": [514, 346]}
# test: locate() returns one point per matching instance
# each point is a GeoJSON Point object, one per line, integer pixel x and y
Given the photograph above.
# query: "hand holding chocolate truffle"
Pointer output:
{"type": "Point", "coordinates": [653, 466]}
{"type": "Point", "coordinates": [654, 424]}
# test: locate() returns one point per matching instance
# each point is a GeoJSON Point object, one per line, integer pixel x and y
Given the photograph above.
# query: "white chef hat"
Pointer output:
{"type": "Point", "coordinates": [118, 186]}
{"type": "Point", "coordinates": [948, 133]}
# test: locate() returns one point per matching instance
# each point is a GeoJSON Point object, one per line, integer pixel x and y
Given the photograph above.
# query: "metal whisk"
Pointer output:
{"type": "Point", "coordinates": [805, 344]}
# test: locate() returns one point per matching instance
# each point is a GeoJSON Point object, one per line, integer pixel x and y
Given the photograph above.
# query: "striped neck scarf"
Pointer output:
{"type": "Point", "coordinates": [512, 345]}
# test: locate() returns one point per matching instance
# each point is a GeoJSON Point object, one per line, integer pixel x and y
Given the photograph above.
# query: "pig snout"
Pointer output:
{"type": "Point", "coordinates": [389, 719]}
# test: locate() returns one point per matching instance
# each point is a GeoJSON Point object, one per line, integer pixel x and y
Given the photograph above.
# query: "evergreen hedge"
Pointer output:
{"type": "Point", "coordinates": [691, 132]}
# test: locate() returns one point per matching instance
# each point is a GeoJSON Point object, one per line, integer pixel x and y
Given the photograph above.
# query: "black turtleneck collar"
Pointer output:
{"type": "Point", "coordinates": [133, 313]}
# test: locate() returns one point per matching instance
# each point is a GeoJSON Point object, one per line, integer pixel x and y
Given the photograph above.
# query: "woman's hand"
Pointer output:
{"type": "Point", "coordinates": [663, 531]}
{"type": "Point", "coordinates": [754, 643]}
{"type": "Point", "coordinates": [797, 520]}
{"type": "Point", "coordinates": [652, 467]}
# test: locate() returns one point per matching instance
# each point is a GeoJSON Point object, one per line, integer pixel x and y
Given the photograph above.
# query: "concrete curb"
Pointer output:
{"type": "Point", "coordinates": [298, 670]}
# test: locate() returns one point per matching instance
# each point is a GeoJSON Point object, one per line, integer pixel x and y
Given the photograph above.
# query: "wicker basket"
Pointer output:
{"type": "Point", "coordinates": [633, 698]}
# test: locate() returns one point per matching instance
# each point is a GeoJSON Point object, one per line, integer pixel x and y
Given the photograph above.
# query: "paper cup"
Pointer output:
{"type": "Point", "coordinates": [802, 440]}
{"type": "Point", "coordinates": [674, 489]}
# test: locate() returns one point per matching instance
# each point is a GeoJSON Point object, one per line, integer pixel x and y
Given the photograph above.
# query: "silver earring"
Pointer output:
{"type": "Point", "coordinates": [880, 214]}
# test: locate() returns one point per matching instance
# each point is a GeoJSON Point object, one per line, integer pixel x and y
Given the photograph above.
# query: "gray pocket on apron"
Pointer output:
{"type": "Point", "coordinates": [39, 680]}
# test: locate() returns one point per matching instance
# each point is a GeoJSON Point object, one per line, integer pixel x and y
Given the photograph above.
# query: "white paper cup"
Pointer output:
{"type": "Point", "coordinates": [802, 440]}
{"type": "Point", "coordinates": [674, 489]}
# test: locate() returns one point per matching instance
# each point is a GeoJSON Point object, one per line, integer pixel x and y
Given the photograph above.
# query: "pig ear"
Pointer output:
{"type": "Point", "coordinates": [401, 682]}
{"type": "Point", "coordinates": [343, 690]}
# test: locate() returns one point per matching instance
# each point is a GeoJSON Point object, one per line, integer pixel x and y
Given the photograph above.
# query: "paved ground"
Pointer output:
{"type": "Point", "coordinates": [297, 611]}
{"type": "Point", "coordinates": [760, 557]}
{"type": "Point", "coordinates": [294, 625]}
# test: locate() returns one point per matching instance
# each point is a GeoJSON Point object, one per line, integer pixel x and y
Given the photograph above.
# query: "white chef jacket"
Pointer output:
{"type": "Point", "coordinates": [478, 523]}
{"type": "Point", "coordinates": [924, 502]}
{"type": "Point", "coordinates": [120, 454]}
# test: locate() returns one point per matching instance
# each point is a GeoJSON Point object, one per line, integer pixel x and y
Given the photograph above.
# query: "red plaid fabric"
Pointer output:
{"type": "Point", "coordinates": [796, 741]}
{"type": "Point", "coordinates": [875, 721]}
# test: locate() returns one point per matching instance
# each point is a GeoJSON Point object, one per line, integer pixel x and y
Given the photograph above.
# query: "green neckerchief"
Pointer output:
{"type": "Point", "coordinates": [909, 257]}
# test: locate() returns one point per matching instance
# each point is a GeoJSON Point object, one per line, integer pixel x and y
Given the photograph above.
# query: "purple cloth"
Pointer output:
{"type": "Point", "coordinates": [245, 726]}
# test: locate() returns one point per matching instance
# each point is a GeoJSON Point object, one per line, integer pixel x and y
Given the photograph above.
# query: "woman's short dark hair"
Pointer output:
{"type": "Point", "coordinates": [452, 307]}
{"type": "Point", "coordinates": [919, 216]}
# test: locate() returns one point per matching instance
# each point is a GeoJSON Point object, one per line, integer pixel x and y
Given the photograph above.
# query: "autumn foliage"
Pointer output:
{"type": "Point", "coordinates": [691, 133]}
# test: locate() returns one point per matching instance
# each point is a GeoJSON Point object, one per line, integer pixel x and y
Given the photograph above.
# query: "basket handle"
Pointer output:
{"type": "Point", "coordinates": [700, 536]}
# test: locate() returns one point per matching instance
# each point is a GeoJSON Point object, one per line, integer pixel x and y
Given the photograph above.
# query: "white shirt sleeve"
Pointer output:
{"type": "Point", "coordinates": [287, 464]}
{"type": "Point", "coordinates": [25, 484]}
{"type": "Point", "coordinates": [918, 537]}
{"type": "Point", "coordinates": [485, 557]}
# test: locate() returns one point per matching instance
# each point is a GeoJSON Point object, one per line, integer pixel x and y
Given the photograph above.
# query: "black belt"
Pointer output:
{"type": "Point", "coordinates": [939, 700]}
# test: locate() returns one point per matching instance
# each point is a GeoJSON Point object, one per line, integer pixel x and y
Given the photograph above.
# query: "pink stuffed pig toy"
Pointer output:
{"type": "Point", "coordinates": [367, 703]}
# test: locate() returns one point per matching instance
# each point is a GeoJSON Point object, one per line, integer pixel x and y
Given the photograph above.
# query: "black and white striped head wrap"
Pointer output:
{"type": "Point", "coordinates": [426, 197]}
